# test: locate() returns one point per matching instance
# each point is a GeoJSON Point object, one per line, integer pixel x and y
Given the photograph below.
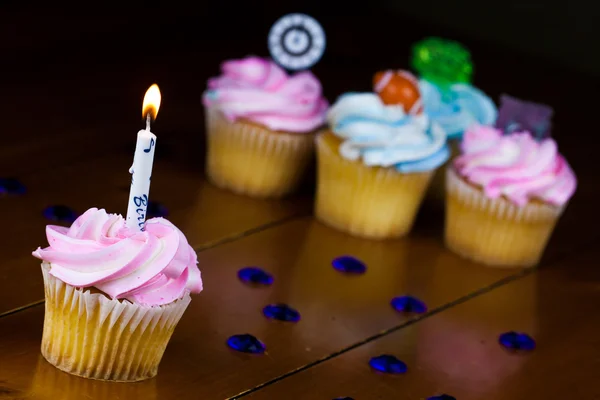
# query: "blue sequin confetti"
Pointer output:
{"type": "Point", "coordinates": [11, 186]}
{"type": "Point", "coordinates": [349, 265]}
{"type": "Point", "coordinates": [156, 210]}
{"type": "Point", "coordinates": [442, 397]}
{"type": "Point", "coordinates": [60, 213]}
{"type": "Point", "coordinates": [255, 276]}
{"type": "Point", "coordinates": [516, 341]}
{"type": "Point", "coordinates": [408, 304]}
{"type": "Point", "coordinates": [246, 343]}
{"type": "Point", "coordinates": [281, 312]}
{"type": "Point", "coordinates": [388, 364]}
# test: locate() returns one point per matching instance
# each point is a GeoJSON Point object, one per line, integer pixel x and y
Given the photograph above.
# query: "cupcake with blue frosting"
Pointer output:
{"type": "Point", "coordinates": [446, 71]}
{"type": "Point", "coordinates": [457, 107]}
{"type": "Point", "coordinates": [448, 97]}
{"type": "Point", "coordinates": [377, 159]}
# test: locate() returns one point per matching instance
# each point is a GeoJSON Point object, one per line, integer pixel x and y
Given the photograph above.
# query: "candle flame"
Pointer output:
{"type": "Point", "coordinates": [151, 102]}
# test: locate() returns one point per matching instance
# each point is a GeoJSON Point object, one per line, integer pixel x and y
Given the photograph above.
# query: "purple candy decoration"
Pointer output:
{"type": "Point", "coordinates": [517, 115]}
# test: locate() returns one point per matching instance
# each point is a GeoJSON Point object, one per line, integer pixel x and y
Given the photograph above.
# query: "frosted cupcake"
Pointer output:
{"type": "Point", "coordinates": [446, 69]}
{"type": "Point", "coordinates": [114, 295]}
{"type": "Point", "coordinates": [505, 194]}
{"type": "Point", "coordinates": [456, 108]}
{"type": "Point", "coordinates": [376, 161]}
{"type": "Point", "coordinates": [260, 125]}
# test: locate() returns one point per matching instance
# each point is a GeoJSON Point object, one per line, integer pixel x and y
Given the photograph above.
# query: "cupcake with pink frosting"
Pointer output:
{"type": "Point", "coordinates": [260, 126]}
{"type": "Point", "coordinates": [114, 295]}
{"type": "Point", "coordinates": [505, 194]}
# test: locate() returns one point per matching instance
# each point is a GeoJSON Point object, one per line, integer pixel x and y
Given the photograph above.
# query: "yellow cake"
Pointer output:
{"type": "Point", "coordinates": [495, 231]}
{"type": "Point", "coordinates": [260, 126]}
{"type": "Point", "coordinates": [504, 195]}
{"type": "Point", "coordinates": [376, 161]}
{"type": "Point", "coordinates": [371, 202]}
{"type": "Point", "coordinates": [251, 159]}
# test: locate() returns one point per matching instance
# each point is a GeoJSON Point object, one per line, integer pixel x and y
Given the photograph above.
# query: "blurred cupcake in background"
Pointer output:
{"type": "Point", "coordinates": [377, 158]}
{"type": "Point", "coordinates": [260, 126]}
{"type": "Point", "coordinates": [457, 108]}
{"type": "Point", "coordinates": [505, 194]}
{"type": "Point", "coordinates": [445, 69]}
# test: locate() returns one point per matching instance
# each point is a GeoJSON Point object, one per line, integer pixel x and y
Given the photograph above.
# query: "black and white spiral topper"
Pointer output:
{"type": "Point", "coordinates": [296, 41]}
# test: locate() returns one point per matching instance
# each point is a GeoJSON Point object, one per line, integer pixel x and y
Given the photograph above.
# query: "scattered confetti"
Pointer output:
{"type": "Point", "coordinates": [408, 304]}
{"type": "Point", "coordinates": [255, 276]}
{"type": "Point", "coordinates": [349, 265]}
{"type": "Point", "coordinates": [517, 341]}
{"type": "Point", "coordinates": [281, 312]}
{"type": "Point", "coordinates": [246, 343]}
{"type": "Point", "coordinates": [388, 364]}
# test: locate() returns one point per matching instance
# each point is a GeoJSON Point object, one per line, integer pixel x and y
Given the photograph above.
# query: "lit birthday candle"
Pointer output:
{"type": "Point", "coordinates": [141, 170]}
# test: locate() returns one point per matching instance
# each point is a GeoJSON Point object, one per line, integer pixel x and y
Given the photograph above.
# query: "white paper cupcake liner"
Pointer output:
{"type": "Point", "coordinates": [249, 159]}
{"type": "Point", "coordinates": [369, 202]}
{"type": "Point", "coordinates": [495, 231]}
{"type": "Point", "coordinates": [91, 335]}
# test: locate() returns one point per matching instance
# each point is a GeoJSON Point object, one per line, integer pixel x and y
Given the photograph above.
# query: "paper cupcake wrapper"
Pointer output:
{"type": "Point", "coordinates": [495, 231]}
{"type": "Point", "coordinates": [90, 335]}
{"type": "Point", "coordinates": [370, 202]}
{"type": "Point", "coordinates": [249, 159]}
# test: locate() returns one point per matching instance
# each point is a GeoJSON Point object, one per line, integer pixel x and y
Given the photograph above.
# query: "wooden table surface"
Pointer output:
{"type": "Point", "coordinates": [71, 111]}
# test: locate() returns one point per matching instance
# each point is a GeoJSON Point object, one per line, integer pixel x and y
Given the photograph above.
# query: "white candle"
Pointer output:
{"type": "Point", "coordinates": [143, 159]}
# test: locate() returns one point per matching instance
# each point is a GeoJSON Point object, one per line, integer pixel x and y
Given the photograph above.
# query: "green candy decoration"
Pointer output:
{"type": "Point", "coordinates": [442, 62]}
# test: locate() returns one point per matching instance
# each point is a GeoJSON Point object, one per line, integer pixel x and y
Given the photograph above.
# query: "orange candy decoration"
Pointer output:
{"type": "Point", "coordinates": [398, 87]}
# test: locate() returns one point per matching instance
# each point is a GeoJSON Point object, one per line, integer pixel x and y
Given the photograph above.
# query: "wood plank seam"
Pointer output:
{"type": "Point", "coordinates": [412, 321]}
{"type": "Point", "coordinates": [386, 332]}
{"type": "Point", "coordinates": [22, 308]}
{"type": "Point", "coordinates": [199, 249]}
{"type": "Point", "coordinates": [251, 231]}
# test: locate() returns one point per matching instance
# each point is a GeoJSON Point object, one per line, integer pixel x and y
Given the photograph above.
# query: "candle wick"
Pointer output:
{"type": "Point", "coordinates": [148, 119]}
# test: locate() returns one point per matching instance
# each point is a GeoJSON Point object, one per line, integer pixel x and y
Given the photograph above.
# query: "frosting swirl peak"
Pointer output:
{"type": "Point", "coordinates": [384, 135]}
{"type": "Point", "coordinates": [260, 91]}
{"type": "Point", "coordinates": [516, 166]}
{"type": "Point", "coordinates": [153, 267]}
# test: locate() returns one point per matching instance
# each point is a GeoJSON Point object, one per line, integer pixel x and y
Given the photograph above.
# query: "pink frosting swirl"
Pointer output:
{"type": "Point", "coordinates": [515, 166]}
{"type": "Point", "coordinates": [260, 91]}
{"type": "Point", "coordinates": [153, 267]}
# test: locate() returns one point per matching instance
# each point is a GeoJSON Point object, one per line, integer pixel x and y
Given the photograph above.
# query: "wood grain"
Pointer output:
{"type": "Point", "coordinates": [72, 86]}
{"type": "Point", "coordinates": [337, 310]}
{"type": "Point", "coordinates": [205, 213]}
{"type": "Point", "coordinates": [457, 352]}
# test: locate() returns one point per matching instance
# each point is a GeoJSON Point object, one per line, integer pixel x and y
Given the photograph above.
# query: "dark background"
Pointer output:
{"type": "Point", "coordinates": [74, 74]}
{"type": "Point", "coordinates": [563, 32]}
